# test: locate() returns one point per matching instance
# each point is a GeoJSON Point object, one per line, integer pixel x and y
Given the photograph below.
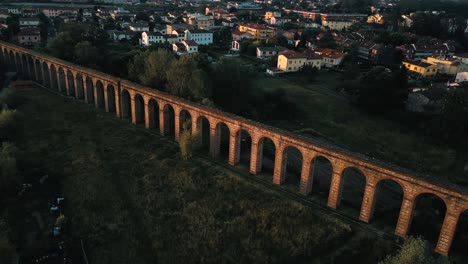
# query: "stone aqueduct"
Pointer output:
{"type": "Point", "coordinates": [141, 104]}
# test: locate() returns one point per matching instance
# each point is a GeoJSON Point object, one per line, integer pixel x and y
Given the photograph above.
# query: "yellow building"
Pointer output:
{"type": "Point", "coordinates": [257, 31]}
{"type": "Point", "coordinates": [269, 15]}
{"type": "Point", "coordinates": [292, 61]}
{"type": "Point", "coordinates": [423, 68]}
{"type": "Point", "coordinates": [377, 19]}
{"type": "Point", "coordinates": [337, 23]}
{"type": "Point", "coordinates": [445, 66]}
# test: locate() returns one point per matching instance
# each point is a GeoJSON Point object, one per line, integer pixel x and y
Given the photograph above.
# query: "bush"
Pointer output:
{"type": "Point", "coordinates": [187, 143]}
{"type": "Point", "coordinates": [8, 124]}
{"type": "Point", "coordinates": [415, 251]}
{"type": "Point", "coordinates": [8, 170]}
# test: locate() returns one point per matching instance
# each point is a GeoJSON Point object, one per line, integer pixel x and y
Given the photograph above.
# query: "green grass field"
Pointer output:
{"type": "Point", "coordinates": [326, 114]}
{"type": "Point", "coordinates": [132, 199]}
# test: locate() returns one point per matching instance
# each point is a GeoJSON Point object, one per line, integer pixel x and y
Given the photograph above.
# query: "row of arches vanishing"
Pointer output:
{"type": "Point", "coordinates": [367, 195]}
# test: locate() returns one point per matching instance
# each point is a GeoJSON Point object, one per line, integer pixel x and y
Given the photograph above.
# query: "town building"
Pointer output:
{"type": "Point", "coordinates": [238, 35]}
{"type": "Point", "coordinates": [200, 21]}
{"type": "Point", "coordinates": [335, 23]}
{"type": "Point", "coordinates": [139, 26]}
{"type": "Point", "coordinates": [185, 47]}
{"type": "Point", "coordinates": [200, 36]}
{"type": "Point", "coordinates": [270, 14]}
{"type": "Point", "coordinates": [148, 38]}
{"type": "Point", "coordinates": [123, 35]}
{"type": "Point", "coordinates": [420, 51]}
{"type": "Point", "coordinates": [375, 19]}
{"type": "Point", "coordinates": [29, 22]}
{"type": "Point", "coordinates": [424, 69]}
{"type": "Point", "coordinates": [264, 53]}
{"type": "Point", "coordinates": [52, 12]}
{"type": "Point", "coordinates": [449, 66]}
{"type": "Point", "coordinates": [292, 61]}
{"type": "Point", "coordinates": [330, 58]}
{"type": "Point", "coordinates": [29, 36]}
{"type": "Point", "coordinates": [257, 31]}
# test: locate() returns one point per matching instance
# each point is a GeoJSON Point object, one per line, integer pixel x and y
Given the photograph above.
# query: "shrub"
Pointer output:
{"type": "Point", "coordinates": [415, 251]}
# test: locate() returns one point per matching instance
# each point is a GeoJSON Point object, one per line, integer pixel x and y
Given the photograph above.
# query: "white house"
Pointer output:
{"type": "Point", "coordinates": [29, 22]}
{"type": "Point", "coordinates": [179, 33]}
{"type": "Point", "coordinates": [330, 57]}
{"type": "Point", "coordinates": [139, 27]}
{"type": "Point", "coordinates": [120, 35]}
{"type": "Point", "coordinates": [269, 52]}
{"type": "Point", "coordinates": [148, 38]}
{"type": "Point", "coordinates": [200, 36]}
{"type": "Point", "coordinates": [279, 21]}
{"type": "Point", "coordinates": [185, 47]}
{"type": "Point", "coordinates": [461, 77]}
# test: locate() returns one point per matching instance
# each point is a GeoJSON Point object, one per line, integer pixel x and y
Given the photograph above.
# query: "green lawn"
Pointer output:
{"type": "Point", "coordinates": [132, 199]}
{"type": "Point", "coordinates": [326, 114]}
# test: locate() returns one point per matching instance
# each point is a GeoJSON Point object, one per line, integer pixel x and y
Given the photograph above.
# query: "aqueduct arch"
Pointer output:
{"type": "Point", "coordinates": [159, 107]}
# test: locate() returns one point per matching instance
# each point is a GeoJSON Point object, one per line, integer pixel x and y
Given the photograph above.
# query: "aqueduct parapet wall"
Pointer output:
{"type": "Point", "coordinates": [144, 105]}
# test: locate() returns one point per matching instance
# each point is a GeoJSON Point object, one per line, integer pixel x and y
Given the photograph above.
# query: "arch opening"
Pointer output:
{"type": "Point", "coordinates": [79, 86]}
{"type": "Point", "coordinates": [19, 67]}
{"type": "Point", "coordinates": [322, 172]}
{"type": "Point", "coordinates": [139, 109]}
{"type": "Point", "coordinates": [111, 98]}
{"type": "Point", "coordinates": [387, 203]}
{"type": "Point", "coordinates": [24, 66]}
{"type": "Point", "coordinates": [203, 128]}
{"type": "Point", "coordinates": [53, 76]}
{"type": "Point", "coordinates": [428, 217]}
{"type": "Point", "coordinates": [267, 154]}
{"type": "Point", "coordinates": [71, 83]}
{"type": "Point", "coordinates": [99, 95]}
{"type": "Point", "coordinates": [185, 121]}
{"type": "Point", "coordinates": [460, 239]}
{"type": "Point", "coordinates": [245, 149]}
{"type": "Point", "coordinates": [352, 189]}
{"type": "Point", "coordinates": [38, 72]}
{"type": "Point", "coordinates": [169, 121]}
{"type": "Point", "coordinates": [292, 166]}
{"type": "Point", "coordinates": [126, 104]}
{"type": "Point", "coordinates": [62, 79]}
{"type": "Point", "coordinates": [222, 139]}
{"type": "Point", "coordinates": [46, 74]}
{"type": "Point", "coordinates": [31, 71]}
{"type": "Point", "coordinates": [12, 63]}
{"type": "Point", "coordinates": [153, 110]}
{"type": "Point", "coordinates": [90, 90]}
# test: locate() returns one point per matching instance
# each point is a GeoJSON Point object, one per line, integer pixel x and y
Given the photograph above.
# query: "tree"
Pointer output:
{"type": "Point", "coordinates": [8, 124]}
{"type": "Point", "coordinates": [327, 41]}
{"type": "Point", "coordinates": [455, 118]}
{"type": "Point", "coordinates": [186, 78]}
{"type": "Point", "coordinates": [415, 251]}
{"type": "Point", "coordinates": [8, 170]}
{"type": "Point", "coordinates": [13, 27]}
{"type": "Point", "coordinates": [44, 26]}
{"type": "Point", "coordinates": [201, 9]}
{"type": "Point", "coordinates": [381, 89]}
{"type": "Point", "coordinates": [156, 65]}
{"type": "Point", "coordinates": [278, 40]}
{"type": "Point", "coordinates": [86, 54]}
{"type": "Point", "coordinates": [231, 84]}
{"type": "Point", "coordinates": [360, 6]}
{"type": "Point", "coordinates": [408, 6]}
{"type": "Point", "coordinates": [187, 141]}
{"type": "Point", "coordinates": [141, 16]}
{"type": "Point", "coordinates": [136, 67]}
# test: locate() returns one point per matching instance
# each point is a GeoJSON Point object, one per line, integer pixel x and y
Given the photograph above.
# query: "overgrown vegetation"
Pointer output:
{"type": "Point", "coordinates": [415, 251]}
{"type": "Point", "coordinates": [133, 200]}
